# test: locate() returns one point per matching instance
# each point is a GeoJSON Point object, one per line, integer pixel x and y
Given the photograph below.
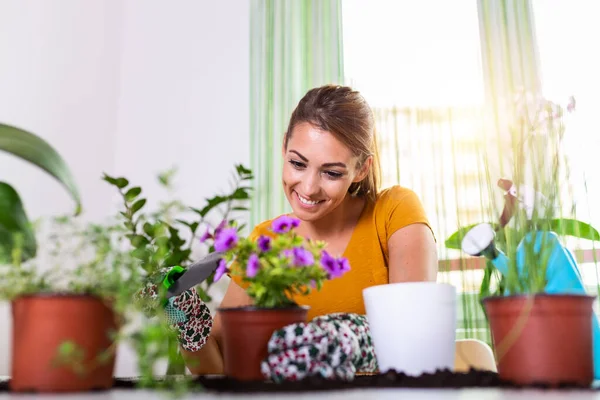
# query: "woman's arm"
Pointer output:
{"type": "Point", "coordinates": [413, 255]}
{"type": "Point", "coordinates": [209, 359]}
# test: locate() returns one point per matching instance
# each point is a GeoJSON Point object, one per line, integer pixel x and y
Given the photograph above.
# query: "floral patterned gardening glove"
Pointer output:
{"type": "Point", "coordinates": [188, 314]}
{"type": "Point", "coordinates": [334, 346]}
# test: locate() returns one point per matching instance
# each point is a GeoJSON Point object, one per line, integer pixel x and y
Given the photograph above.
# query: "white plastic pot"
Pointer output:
{"type": "Point", "coordinates": [413, 326]}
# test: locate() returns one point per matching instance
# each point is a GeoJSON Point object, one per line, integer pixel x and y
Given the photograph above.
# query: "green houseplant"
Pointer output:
{"type": "Point", "coordinates": [273, 269]}
{"type": "Point", "coordinates": [539, 303]}
{"type": "Point", "coordinates": [14, 224]}
{"type": "Point", "coordinates": [113, 262]}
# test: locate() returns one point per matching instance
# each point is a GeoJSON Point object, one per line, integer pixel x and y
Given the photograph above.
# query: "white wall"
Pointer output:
{"type": "Point", "coordinates": [126, 87]}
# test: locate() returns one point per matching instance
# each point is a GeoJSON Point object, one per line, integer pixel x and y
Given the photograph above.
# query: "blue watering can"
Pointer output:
{"type": "Point", "coordinates": [562, 274]}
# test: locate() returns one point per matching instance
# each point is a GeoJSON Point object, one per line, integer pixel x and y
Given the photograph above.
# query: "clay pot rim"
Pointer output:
{"type": "Point", "coordinates": [64, 294]}
{"type": "Point", "coordinates": [524, 296]}
{"type": "Point", "coordinates": [267, 309]}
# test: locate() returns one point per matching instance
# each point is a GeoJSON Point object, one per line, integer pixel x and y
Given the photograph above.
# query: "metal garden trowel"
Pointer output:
{"type": "Point", "coordinates": [180, 279]}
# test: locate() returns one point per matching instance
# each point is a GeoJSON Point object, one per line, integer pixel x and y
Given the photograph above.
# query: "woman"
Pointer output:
{"type": "Point", "coordinates": [330, 179]}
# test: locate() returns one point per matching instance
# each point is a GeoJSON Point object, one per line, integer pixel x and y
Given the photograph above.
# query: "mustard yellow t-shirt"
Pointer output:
{"type": "Point", "coordinates": [367, 252]}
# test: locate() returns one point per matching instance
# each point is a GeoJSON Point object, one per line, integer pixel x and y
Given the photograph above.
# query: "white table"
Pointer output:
{"type": "Point", "coordinates": [354, 394]}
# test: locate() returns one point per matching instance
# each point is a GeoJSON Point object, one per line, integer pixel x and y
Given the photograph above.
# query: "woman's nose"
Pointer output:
{"type": "Point", "coordinates": [310, 185]}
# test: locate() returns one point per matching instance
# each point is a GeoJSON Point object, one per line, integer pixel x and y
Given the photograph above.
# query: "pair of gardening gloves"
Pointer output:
{"type": "Point", "coordinates": [331, 346]}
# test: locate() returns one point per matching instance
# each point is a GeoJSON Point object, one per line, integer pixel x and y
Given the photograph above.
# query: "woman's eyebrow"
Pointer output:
{"type": "Point", "coordinates": [326, 165]}
{"type": "Point", "coordinates": [334, 164]}
{"type": "Point", "coordinates": [299, 155]}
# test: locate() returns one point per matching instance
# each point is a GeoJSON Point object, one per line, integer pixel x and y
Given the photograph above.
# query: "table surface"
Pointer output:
{"type": "Point", "coordinates": [355, 394]}
{"type": "Point", "coordinates": [346, 394]}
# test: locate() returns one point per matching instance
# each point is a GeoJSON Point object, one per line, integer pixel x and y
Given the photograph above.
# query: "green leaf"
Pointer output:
{"type": "Point", "coordinates": [118, 182]}
{"type": "Point", "coordinates": [241, 170]}
{"type": "Point", "coordinates": [149, 229]}
{"type": "Point", "coordinates": [575, 228]}
{"type": "Point", "coordinates": [242, 226]}
{"type": "Point", "coordinates": [133, 193]}
{"type": "Point", "coordinates": [37, 151]}
{"type": "Point", "coordinates": [240, 194]}
{"type": "Point", "coordinates": [14, 221]}
{"type": "Point", "coordinates": [138, 240]}
{"type": "Point", "coordinates": [212, 203]}
{"type": "Point", "coordinates": [137, 205]}
{"type": "Point", "coordinates": [166, 177]}
{"type": "Point", "coordinates": [140, 253]}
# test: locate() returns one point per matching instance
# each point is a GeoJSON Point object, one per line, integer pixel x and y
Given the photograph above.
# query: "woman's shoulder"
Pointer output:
{"type": "Point", "coordinates": [395, 194]}
{"type": "Point", "coordinates": [399, 205]}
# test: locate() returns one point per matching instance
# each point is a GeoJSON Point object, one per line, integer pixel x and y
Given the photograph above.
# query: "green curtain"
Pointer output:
{"type": "Point", "coordinates": [511, 64]}
{"type": "Point", "coordinates": [295, 45]}
{"type": "Point", "coordinates": [510, 57]}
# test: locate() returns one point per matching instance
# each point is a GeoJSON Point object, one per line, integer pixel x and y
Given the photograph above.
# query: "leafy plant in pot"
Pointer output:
{"type": "Point", "coordinates": [272, 269]}
{"type": "Point", "coordinates": [111, 267]}
{"type": "Point", "coordinates": [540, 316]}
{"type": "Point", "coordinates": [18, 243]}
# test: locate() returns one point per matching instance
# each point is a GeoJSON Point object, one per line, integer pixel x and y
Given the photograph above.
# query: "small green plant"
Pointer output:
{"type": "Point", "coordinates": [157, 238]}
{"type": "Point", "coordinates": [276, 268]}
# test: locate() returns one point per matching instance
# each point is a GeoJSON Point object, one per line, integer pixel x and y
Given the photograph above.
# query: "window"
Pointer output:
{"type": "Point", "coordinates": [567, 33]}
{"type": "Point", "coordinates": [418, 64]}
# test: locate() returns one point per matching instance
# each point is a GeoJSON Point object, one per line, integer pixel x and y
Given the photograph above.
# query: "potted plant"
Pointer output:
{"type": "Point", "coordinates": [272, 269]}
{"type": "Point", "coordinates": [540, 316]}
{"type": "Point", "coordinates": [18, 241]}
{"type": "Point", "coordinates": [113, 262]}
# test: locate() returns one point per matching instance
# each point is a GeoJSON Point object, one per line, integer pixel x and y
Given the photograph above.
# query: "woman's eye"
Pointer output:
{"type": "Point", "coordinates": [296, 164]}
{"type": "Point", "coordinates": [333, 174]}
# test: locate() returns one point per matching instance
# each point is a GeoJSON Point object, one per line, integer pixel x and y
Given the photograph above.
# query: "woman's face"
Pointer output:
{"type": "Point", "coordinates": [318, 169]}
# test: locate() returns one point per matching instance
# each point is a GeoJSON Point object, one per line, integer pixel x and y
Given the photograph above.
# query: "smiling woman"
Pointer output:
{"type": "Point", "coordinates": [330, 178]}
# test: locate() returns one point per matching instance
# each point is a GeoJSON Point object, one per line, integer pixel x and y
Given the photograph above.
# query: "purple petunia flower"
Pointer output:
{"type": "Point", "coordinates": [205, 236]}
{"type": "Point", "coordinates": [329, 264]}
{"type": "Point", "coordinates": [264, 243]}
{"type": "Point", "coordinates": [284, 224]}
{"type": "Point", "coordinates": [343, 264]}
{"type": "Point", "coordinates": [302, 257]}
{"type": "Point", "coordinates": [334, 267]}
{"type": "Point", "coordinates": [220, 227]}
{"type": "Point", "coordinates": [221, 270]}
{"type": "Point", "coordinates": [252, 266]}
{"type": "Point", "coordinates": [226, 239]}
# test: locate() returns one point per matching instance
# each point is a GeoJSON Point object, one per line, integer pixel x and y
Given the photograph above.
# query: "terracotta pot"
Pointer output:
{"type": "Point", "coordinates": [544, 338]}
{"type": "Point", "coordinates": [246, 334]}
{"type": "Point", "coordinates": [41, 323]}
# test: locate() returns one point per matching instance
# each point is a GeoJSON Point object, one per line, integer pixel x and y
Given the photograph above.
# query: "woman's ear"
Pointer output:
{"type": "Point", "coordinates": [364, 170]}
